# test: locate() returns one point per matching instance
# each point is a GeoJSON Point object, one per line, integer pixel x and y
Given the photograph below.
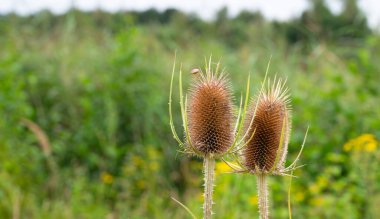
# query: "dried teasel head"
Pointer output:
{"type": "Point", "coordinates": [268, 126]}
{"type": "Point", "coordinates": [207, 115]}
{"type": "Point", "coordinates": [210, 114]}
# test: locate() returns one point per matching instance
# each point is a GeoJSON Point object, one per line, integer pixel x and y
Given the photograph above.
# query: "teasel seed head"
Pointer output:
{"type": "Point", "coordinates": [210, 114]}
{"type": "Point", "coordinates": [268, 125]}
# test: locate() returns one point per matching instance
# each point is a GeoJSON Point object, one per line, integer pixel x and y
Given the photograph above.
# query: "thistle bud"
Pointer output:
{"type": "Point", "coordinates": [268, 127]}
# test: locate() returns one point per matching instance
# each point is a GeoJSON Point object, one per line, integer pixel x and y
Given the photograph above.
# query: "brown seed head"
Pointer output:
{"type": "Point", "coordinates": [271, 127]}
{"type": "Point", "coordinates": [210, 115]}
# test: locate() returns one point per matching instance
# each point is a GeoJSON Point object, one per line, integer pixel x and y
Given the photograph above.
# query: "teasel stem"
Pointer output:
{"type": "Point", "coordinates": [262, 188]}
{"type": "Point", "coordinates": [209, 168]}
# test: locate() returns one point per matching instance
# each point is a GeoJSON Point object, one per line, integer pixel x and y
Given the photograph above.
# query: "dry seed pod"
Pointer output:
{"type": "Point", "coordinates": [266, 150]}
{"type": "Point", "coordinates": [210, 115]}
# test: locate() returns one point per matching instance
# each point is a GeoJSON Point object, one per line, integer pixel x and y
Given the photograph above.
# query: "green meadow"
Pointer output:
{"type": "Point", "coordinates": [84, 125]}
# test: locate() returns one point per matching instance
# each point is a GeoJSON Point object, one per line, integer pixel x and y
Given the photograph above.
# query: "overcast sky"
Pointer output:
{"type": "Point", "coordinates": [272, 9]}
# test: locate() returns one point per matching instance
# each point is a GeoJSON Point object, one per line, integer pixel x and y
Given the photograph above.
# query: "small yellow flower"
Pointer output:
{"type": "Point", "coordinates": [152, 152]}
{"type": "Point", "coordinates": [314, 188]}
{"type": "Point", "coordinates": [222, 167]}
{"type": "Point", "coordinates": [322, 182]}
{"type": "Point", "coordinates": [299, 196]}
{"type": "Point", "coordinates": [367, 137]}
{"type": "Point", "coordinates": [317, 201]}
{"type": "Point", "coordinates": [137, 160]}
{"type": "Point", "coordinates": [347, 146]}
{"type": "Point", "coordinates": [154, 165]}
{"type": "Point", "coordinates": [365, 142]}
{"type": "Point", "coordinates": [106, 178]}
{"type": "Point", "coordinates": [370, 147]}
{"type": "Point", "coordinates": [253, 200]}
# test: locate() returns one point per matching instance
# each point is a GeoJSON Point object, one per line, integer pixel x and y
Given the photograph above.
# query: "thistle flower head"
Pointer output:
{"type": "Point", "coordinates": [208, 119]}
{"type": "Point", "coordinates": [210, 114]}
{"type": "Point", "coordinates": [269, 125]}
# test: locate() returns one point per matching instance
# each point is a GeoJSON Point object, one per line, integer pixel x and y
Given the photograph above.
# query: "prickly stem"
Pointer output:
{"type": "Point", "coordinates": [209, 168]}
{"type": "Point", "coordinates": [262, 188]}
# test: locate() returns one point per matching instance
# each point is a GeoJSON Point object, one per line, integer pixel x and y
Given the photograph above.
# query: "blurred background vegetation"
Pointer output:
{"type": "Point", "coordinates": [84, 129]}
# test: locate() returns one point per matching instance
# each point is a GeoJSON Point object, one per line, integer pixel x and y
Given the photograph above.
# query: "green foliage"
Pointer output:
{"type": "Point", "coordinates": [97, 84]}
{"type": "Point", "coordinates": [318, 23]}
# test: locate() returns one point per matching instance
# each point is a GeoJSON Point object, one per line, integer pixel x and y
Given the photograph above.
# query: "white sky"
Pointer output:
{"type": "Point", "coordinates": [272, 9]}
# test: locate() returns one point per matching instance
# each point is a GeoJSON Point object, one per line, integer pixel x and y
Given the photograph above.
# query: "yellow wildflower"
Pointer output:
{"type": "Point", "coordinates": [137, 160]}
{"type": "Point", "coordinates": [367, 137]}
{"type": "Point", "coordinates": [314, 188]}
{"type": "Point", "coordinates": [370, 147]}
{"type": "Point", "coordinates": [317, 201]}
{"type": "Point", "coordinates": [154, 165]}
{"type": "Point", "coordinates": [365, 142]}
{"type": "Point", "coordinates": [152, 152]}
{"type": "Point", "coordinates": [322, 181]}
{"type": "Point", "coordinates": [106, 178]}
{"type": "Point", "coordinates": [299, 196]}
{"type": "Point", "coordinates": [253, 200]}
{"type": "Point", "coordinates": [222, 167]}
{"type": "Point", "coordinates": [347, 146]}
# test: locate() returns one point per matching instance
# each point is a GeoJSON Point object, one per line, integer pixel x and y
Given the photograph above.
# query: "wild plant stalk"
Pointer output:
{"type": "Point", "coordinates": [266, 152]}
{"type": "Point", "coordinates": [209, 173]}
{"type": "Point", "coordinates": [262, 188]}
{"type": "Point", "coordinates": [45, 146]}
{"type": "Point", "coordinates": [208, 122]}
{"type": "Point", "coordinates": [210, 125]}
{"type": "Point", "coordinates": [268, 126]}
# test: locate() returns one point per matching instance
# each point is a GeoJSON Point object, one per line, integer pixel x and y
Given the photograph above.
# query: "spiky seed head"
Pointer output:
{"type": "Point", "coordinates": [210, 114]}
{"type": "Point", "coordinates": [270, 128]}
